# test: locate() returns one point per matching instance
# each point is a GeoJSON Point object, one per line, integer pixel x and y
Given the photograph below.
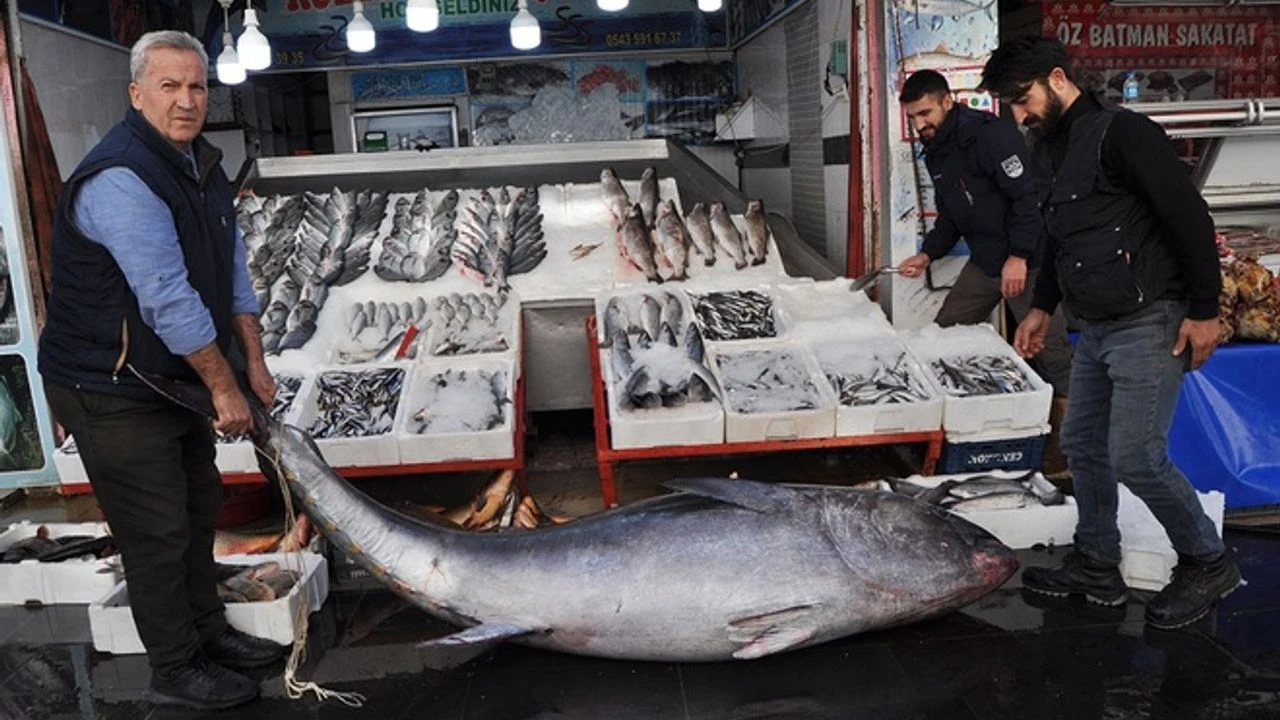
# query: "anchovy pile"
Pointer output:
{"type": "Point", "coordinates": [980, 375]}
{"type": "Point", "coordinates": [286, 390]}
{"type": "Point", "coordinates": [888, 383]}
{"type": "Point", "coordinates": [356, 403]}
{"type": "Point", "coordinates": [457, 401]}
{"type": "Point", "coordinates": [467, 324]}
{"type": "Point", "coordinates": [735, 314]}
{"type": "Point", "coordinates": [330, 247]}
{"type": "Point", "coordinates": [759, 381]}
{"type": "Point", "coordinates": [984, 492]}
{"type": "Point", "coordinates": [420, 246]}
{"type": "Point", "coordinates": [657, 358]}
{"type": "Point", "coordinates": [499, 237]}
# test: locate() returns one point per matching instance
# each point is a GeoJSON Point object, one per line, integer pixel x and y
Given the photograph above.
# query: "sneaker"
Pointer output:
{"type": "Point", "coordinates": [202, 685]}
{"type": "Point", "coordinates": [1078, 575]}
{"type": "Point", "coordinates": [1193, 591]}
{"type": "Point", "coordinates": [240, 650]}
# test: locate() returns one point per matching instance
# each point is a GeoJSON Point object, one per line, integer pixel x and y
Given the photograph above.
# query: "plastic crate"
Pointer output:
{"type": "Point", "coordinates": [1021, 453]}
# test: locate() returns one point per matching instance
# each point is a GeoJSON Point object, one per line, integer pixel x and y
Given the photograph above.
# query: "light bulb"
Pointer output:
{"type": "Point", "coordinates": [710, 5]}
{"type": "Point", "coordinates": [230, 71]}
{"type": "Point", "coordinates": [253, 49]}
{"type": "Point", "coordinates": [360, 36]}
{"type": "Point", "coordinates": [612, 5]}
{"type": "Point", "coordinates": [525, 32]}
{"type": "Point", "coordinates": [422, 15]}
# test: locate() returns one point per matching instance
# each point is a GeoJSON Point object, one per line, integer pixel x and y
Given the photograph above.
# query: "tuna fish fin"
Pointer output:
{"type": "Point", "coordinates": [481, 635]}
{"type": "Point", "coordinates": [758, 496]}
{"type": "Point", "coordinates": [772, 632]}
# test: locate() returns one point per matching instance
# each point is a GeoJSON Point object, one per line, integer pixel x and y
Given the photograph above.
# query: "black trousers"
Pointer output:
{"type": "Point", "coordinates": [152, 468]}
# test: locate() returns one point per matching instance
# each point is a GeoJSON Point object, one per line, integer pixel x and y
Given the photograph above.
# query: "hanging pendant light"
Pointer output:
{"type": "Point", "coordinates": [612, 5]}
{"type": "Point", "coordinates": [230, 71]}
{"type": "Point", "coordinates": [422, 15]}
{"type": "Point", "coordinates": [710, 5]}
{"type": "Point", "coordinates": [360, 35]}
{"type": "Point", "coordinates": [525, 31]}
{"type": "Point", "coordinates": [253, 48]}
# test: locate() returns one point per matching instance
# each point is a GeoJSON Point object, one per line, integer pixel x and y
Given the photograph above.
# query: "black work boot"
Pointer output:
{"type": "Point", "coordinates": [202, 685]}
{"type": "Point", "coordinates": [1192, 592]}
{"type": "Point", "coordinates": [1078, 575]}
{"type": "Point", "coordinates": [237, 649]}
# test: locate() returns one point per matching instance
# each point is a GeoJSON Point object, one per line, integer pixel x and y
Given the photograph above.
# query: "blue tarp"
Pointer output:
{"type": "Point", "coordinates": [1226, 431]}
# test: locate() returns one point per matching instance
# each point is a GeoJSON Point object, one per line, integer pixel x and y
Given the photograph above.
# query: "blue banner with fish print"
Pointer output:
{"type": "Point", "coordinates": [407, 84]}
{"type": "Point", "coordinates": [312, 33]}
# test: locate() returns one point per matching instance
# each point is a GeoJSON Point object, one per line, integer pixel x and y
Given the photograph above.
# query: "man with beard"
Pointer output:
{"type": "Point", "coordinates": [984, 192]}
{"type": "Point", "coordinates": [1134, 259]}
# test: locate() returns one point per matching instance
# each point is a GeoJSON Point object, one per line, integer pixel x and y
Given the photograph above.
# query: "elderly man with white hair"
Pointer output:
{"type": "Point", "coordinates": [149, 274]}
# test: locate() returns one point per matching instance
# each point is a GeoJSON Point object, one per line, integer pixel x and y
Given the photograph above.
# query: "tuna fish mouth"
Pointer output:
{"type": "Point", "coordinates": [995, 565]}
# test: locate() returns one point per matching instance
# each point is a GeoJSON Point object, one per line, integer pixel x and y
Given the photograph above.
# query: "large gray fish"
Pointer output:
{"type": "Point", "coordinates": [673, 240]}
{"type": "Point", "coordinates": [757, 232]}
{"type": "Point", "coordinates": [727, 236]}
{"type": "Point", "coordinates": [637, 245]}
{"type": "Point", "coordinates": [614, 196]}
{"type": "Point", "coordinates": [664, 579]}
{"type": "Point", "coordinates": [698, 223]}
{"type": "Point", "coordinates": [649, 195]}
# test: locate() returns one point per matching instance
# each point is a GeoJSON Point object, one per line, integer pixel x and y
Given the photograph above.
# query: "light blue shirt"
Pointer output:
{"type": "Point", "coordinates": [115, 209]}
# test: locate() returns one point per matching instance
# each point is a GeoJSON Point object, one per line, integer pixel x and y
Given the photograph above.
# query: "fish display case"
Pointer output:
{"type": "Point", "coordinates": [550, 198]}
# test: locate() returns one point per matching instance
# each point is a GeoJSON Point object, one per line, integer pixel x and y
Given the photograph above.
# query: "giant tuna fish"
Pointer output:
{"type": "Point", "coordinates": [720, 569]}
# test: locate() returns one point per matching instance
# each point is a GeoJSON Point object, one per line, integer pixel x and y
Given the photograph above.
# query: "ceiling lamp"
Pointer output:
{"type": "Point", "coordinates": [360, 36]}
{"type": "Point", "coordinates": [710, 5]}
{"type": "Point", "coordinates": [230, 71]}
{"type": "Point", "coordinates": [253, 48]}
{"type": "Point", "coordinates": [612, 5]}
{"type": "Point", "coordinates": [525, 32]}
{"type": "Point", "coordinates": [422, 15]}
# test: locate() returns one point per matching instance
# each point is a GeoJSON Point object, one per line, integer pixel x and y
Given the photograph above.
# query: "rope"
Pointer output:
{"type": "Point", "coordinates": [294, 688]}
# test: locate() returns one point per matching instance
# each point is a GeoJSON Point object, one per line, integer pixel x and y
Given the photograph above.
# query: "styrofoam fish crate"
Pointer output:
{"type": "Point", "coordinates": [1147, 557]}
{"type": "Point", "coordinates": [630, 299]}
{"type": "Point", "coordinates": [495, 444]}
{"type": "Point", "coordinates": [915, 416]}
{"type": "Point", "coordinates": [981, 413]}
{"type": "Point", "coordinates": [817, 310]}
{"type": "Point", "coordinates": [509, 318]}
{"type": "Point", "coordinates": [70, 582]}
{"type": "Point", "coordinates": [819, 422]}
{"type": "Point", "coordinates": [781, 320]}
{"type": "Point", "coordinates": [1019, 528]}
{"type": "Point", "coordinates": [111, 620]}
{"type": "Point", "coordinates": [366, 451]}
{"type": "Point", "coordinates": [691, 424]}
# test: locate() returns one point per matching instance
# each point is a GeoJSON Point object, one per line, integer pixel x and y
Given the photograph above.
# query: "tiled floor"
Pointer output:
{"type": "Point", "coordinates": [1007, 656]}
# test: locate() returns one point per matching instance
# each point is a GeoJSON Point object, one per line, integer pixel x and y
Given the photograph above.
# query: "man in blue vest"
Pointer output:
{"type": "Point", "coordinates": [1132, 255]}
{"type": "Point", "coordinates": [985, 193]}
{"type": "Point", "coordinates": [149, 273]}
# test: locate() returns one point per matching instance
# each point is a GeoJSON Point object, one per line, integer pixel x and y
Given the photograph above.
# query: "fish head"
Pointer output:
{"type": "Point", "coordinates": [914, 550]}
{"type": "Point", "coordinates": [648, 175]}
{"type": "Point", "coordinates": [717, 208]}
{"type": "Point", "coordinates": [697, 209]}
{"type": "Point", "coordinates": [608, 175]}
{"type": "Point", "coordinates": [755, 207]}
{"type": "Point", "coordinates": [634, 212]}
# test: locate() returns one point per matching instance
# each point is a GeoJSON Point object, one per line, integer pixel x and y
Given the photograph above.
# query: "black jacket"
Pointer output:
{"type": "Point", "coordinates": [984, 191]}
{"type": "Point", "coordinates": [94, 325]}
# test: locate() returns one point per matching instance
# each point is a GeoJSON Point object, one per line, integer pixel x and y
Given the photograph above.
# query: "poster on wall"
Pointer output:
{"type": "Point", "coordinates": [1175, 53]}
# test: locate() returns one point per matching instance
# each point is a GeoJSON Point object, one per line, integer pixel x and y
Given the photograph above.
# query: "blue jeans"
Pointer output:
{"type": "Point", "coordinates": [1125, 383]}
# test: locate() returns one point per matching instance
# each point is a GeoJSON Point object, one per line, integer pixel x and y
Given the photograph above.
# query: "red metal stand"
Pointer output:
{"type": "Point", "coordinates": [607, 457]}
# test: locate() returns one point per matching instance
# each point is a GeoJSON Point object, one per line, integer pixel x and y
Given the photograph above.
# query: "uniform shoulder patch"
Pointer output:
{"type": "Point", "coordinates": [1012, 166]}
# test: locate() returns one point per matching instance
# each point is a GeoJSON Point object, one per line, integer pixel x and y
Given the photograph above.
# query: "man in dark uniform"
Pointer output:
{"type": "Point", "coordinates": [985, 193]}
{"type": "Point", "coordinates": [1133, 256]}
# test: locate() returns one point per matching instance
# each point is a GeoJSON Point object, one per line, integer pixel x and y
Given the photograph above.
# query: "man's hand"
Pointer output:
{"type": "Point", "coordinates": [1202, 335]}
{"type": "Point", "coordinates": [233, 412]}
{"type": "Point", "coordinates": [1029, 339]}
{"type": "Point", "coordinates": [1013, 278]}
{"type": "Point", "coordinates": [262, 383]}
{"type": "Point", "coordinates": [914, 266]}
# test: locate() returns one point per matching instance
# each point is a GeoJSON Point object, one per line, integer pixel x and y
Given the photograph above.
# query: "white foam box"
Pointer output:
{"type": "Point", "coordinates": [819, 422]}
{"type": "Point", "coordinates": [495, 444]}
{"type": "Point", "coordinates": [1147, 557]}
{"type": "Point", "coordinates": [781, 320]}
{"type": "Point", "coordinates": [71, 582]}
{"type": "Point", "coordinates": [818, 309]}
{"type": "Point", "coordinates": [367, 451]}
{"type": "Point", "coordinates": [508, 320]}
{"type": "Point", "coordinates": [1019, 528]}
{"type": "Point", "coordinates": [630, 298]}
{"type": "Point", "coordinates": [113, 630]}
{"type": "Point", "coordinates": [981, 413]}
{"type": "Point", "coordinates": [691, 424]}
{"type": "Point", "coordinates": [862, 355]}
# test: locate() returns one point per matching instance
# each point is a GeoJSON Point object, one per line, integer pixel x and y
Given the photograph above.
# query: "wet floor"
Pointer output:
{"type": "Point", "coordinates": [1007, 656]}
